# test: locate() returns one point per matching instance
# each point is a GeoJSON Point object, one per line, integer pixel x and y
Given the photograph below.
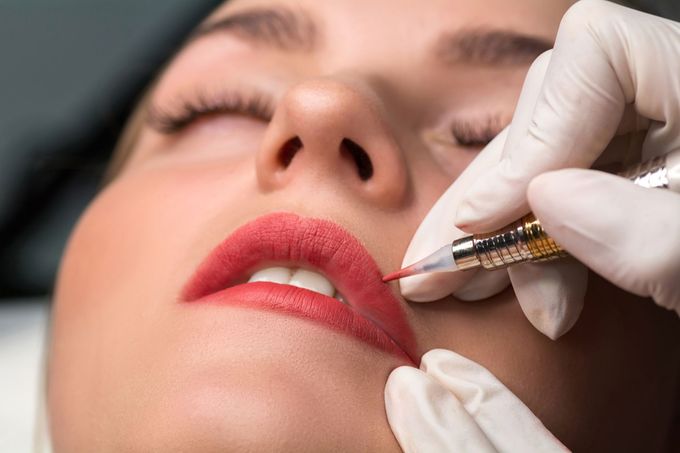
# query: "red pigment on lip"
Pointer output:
{"type": "Point", "coordinates": [320, 245]}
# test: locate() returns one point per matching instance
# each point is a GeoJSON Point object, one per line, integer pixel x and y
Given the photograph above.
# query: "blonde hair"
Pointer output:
{"type": "Point", "coordinates": [129, 137]}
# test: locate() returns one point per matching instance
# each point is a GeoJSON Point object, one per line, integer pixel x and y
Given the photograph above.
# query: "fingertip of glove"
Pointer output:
{"type": "Point", "coordinates": [494, 200]}
{"type": "Point", "coordinates": [404, 372]}
{"type": "Point", "coordinates": [551, 294]}
{"type": "Point", "coordinates": [483, 286]}
{"type": "Point", "coordinates": [546, 182]}
{"type": "Point", "coordinates": [547, 187]}
{"type": "Point", "coordinates": [476, 207]}
{"type": "Point", "coordinates": [466, 216]}
{"type": "Point", "coordinates": [431, 287]}
{"type": "Point", "coordinates": [436, 356]}
{"type": "Point", "coordinates": [554, 327]}
{"type": "Point", "coordinates": [403, 381]}
{"type": "Point", "coordinates": [550, 329]}
{"type": "Point", "coordinates": [416, 288]}
{"type": "Point", "coordinates": [473, 217]}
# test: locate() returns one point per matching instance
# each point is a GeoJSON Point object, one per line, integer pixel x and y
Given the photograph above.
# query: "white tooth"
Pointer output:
{"type": "Point", "coordinates": [272, 274]}
{"type": "Point", "coordinates": [311, 280]}
{"type": "Point", "coordinates": [341, 298]}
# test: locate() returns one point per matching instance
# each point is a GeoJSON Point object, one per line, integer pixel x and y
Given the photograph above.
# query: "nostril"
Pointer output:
{"type": "Point", "coordinates": [288, 151]}
{"type": "Point", "coordinates": [361, 159]}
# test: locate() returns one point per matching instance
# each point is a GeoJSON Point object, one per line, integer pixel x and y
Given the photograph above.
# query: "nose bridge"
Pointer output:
{"type": "Point", "coordinates": [335, 127]}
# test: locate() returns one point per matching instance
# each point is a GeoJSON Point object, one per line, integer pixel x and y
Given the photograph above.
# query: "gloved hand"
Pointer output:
{"type": "Point", "coordinates": [452, 404]}
{"type": "Point", "coordinates": [612, 74]}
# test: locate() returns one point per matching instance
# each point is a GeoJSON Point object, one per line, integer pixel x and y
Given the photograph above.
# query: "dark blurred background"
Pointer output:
{"type": "Point", "coordinates": [70, 73]}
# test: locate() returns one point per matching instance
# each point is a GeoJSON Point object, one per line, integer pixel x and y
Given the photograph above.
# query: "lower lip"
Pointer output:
{"type": "Point", "coordinates": [305, 304]}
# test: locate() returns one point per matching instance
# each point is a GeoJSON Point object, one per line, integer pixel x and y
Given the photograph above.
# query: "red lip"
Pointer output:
{"type": "Point", "coordinates": [374, 315]}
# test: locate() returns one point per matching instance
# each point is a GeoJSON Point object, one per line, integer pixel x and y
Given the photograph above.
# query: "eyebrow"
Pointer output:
{"type": "Point", "coordinates": [489, 47]}
{"type": "Point", "coordinates": [277, 27]}
{"type": "Point", "coordinates": [291, 30]}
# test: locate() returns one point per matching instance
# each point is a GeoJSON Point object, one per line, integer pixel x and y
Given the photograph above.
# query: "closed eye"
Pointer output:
{"type": "Point", "coordinates": [169, 120]}
{"type": "Point", "coordinates": [476, 134]}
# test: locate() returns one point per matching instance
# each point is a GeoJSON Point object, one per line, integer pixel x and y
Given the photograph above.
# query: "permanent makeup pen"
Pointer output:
{"type": "Point", "coordinates": [525, 240]}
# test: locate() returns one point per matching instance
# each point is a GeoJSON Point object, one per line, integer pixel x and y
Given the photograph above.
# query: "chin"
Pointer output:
{"type": "Point", "coordinates": [252, 381]}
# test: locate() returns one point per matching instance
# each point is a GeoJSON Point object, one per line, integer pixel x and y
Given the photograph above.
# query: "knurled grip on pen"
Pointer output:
{"type": "Point", "coordinates": [522, 241]}
{"type": "Point", "coordinates": [527, 241]}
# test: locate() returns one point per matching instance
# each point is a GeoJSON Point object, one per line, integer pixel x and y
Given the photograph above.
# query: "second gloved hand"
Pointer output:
{"type": "Point", "coordinates": [452, 404]}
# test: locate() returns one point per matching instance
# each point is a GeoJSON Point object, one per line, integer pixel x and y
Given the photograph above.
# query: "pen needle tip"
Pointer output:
{"type": "Point", "coordinates": [401, 273]}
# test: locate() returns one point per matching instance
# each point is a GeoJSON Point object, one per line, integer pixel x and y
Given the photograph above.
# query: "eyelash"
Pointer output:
{"type": "Point", "coordinates": [473, 134]}
{"type": "Point", "coordinates": [169, 121]}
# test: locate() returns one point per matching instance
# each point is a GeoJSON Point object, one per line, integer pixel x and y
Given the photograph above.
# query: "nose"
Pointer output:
{"type": "Point", "coordinates": [333, 132]}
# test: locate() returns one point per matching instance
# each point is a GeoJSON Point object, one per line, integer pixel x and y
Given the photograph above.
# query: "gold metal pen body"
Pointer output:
{"type": "Point", "coordinates": [525, 240]}
{"type": "Point", "coordinates": [522, 241]}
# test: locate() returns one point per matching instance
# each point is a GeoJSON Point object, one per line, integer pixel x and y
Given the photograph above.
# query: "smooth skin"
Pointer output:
{"type": "Point", "coordinates": [132, 369]}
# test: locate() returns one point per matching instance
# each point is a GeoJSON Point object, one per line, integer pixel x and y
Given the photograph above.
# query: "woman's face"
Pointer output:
{"type": "Point", "coordinates": [361, 114]}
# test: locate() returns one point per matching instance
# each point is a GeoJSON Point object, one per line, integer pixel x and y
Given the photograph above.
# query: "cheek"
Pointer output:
{"type": "Point", "coordinates": [140, 226]}
{"type": "Point", "coordinates": [138, 238]}
{"type": "Point", "coordinates": [126, 258]}
{"type": "Point", "coordinates": [432, 178]}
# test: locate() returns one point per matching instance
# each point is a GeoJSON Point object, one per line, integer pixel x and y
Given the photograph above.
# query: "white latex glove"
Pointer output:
{"type": "Point", "coordinates": [453, 404]}
{"type": "Point", "coordinates": [437, 229]}
{"type": "Point", "coordinates": [613, 71]}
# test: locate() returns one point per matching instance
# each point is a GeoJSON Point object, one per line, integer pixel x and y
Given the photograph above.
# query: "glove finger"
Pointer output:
{"type": "Point", "coordinates": [506, 421]}
{"type": "Point", "coordinates": [604, 58]}
{"type": "Point", "coordinates": [437, 229]}
{"type": "Point", "coordinates": [484, 284]}
{"type": "Point", "coordinates": [473, 285]}
{"type": "Point", "coordinates": [551, 294]}
{"type": "Point", "coordinates": [531, 92]}
{"type": "Point", "coordinates": [626, 233]}
{"type": "Point", "coordinates": [425, 417]}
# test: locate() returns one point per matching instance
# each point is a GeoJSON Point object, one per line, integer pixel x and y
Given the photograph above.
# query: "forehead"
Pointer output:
{"type": "Point", "coordinates": [404, 24]}
{"type": "Point", "coordinates": [398, 38]}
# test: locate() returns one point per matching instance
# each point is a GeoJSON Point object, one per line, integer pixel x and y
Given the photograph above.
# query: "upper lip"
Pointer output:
{"type": "Point", "coordinates": [321, 245]}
